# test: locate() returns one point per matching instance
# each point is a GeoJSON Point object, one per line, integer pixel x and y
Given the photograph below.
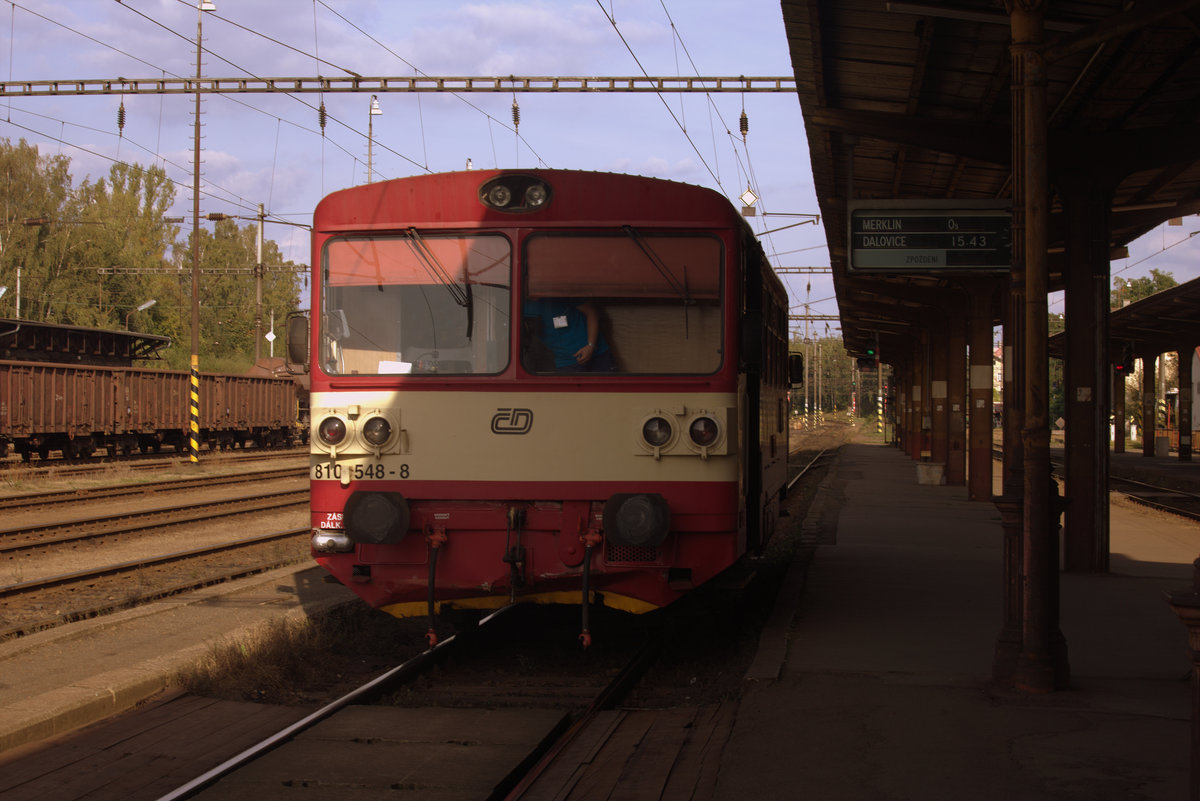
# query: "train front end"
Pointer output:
{"type": "Point", "coordinates": [458, 462]}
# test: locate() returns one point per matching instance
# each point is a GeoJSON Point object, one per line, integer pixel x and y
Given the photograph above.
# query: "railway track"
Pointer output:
{"type": "Point", "coordinates": [495, 695]}
{"type": "Point", "coordinates": [75, 532]}
{"type": "Point", "coordinates": [800, 473]}
{"type": "Point", "coordinates": [71, 495]}
{"type": "Point", "coordinates": [558, 715]}
{"type": "Point", "coordinates": [66, 468]}
{"type": "Point", "coordinates": [1172, 501]}
{"type": "Point", "coordinates": [102, 590]}
{"type": "Point", "coordinates": [57, 570]}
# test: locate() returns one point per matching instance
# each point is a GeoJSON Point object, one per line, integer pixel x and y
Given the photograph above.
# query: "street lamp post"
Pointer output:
{"type": "Point", "coordinates": [141, 308]}
{"type": "Point", "coordinates": [375, 111]}
{"type": "Point", "coordinates": [194, 403]}
{"type": "Point", "coordinates": [258, 278]}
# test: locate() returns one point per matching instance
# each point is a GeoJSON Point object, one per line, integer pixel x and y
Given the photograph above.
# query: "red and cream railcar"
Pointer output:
{"type": "Point", "coordinates": [454, 465]}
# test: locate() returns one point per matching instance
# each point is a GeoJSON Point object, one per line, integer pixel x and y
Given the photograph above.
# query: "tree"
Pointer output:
{"type": "Point", "coordinates": [1058, 403]}
{"type": "Point", "coordinates": [67, 260]}
{"type": "Point", "coordinates": [227, 298]}
{"type": "Point", "coordinates": [1126, 291]}
{"type": "Point", "coordinates": [116, 223]}
{"type": "Point", "coordinates": [830, 374]}
{"type": "Point", "coordinates": [1129, 291]}
{"type": "Point", "coordinates": [33, 187]}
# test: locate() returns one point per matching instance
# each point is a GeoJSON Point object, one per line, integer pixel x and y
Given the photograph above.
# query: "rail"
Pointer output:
{"type": "Point", "coordinates": [522, 774]}
{"type": "Point", "coordinates": [792, 482]}
{"type": "Point", "coordinates": [81, 576]}
{"type": "Point", "coordinates": [39, 499]}
{"type": "Point", "coordinates": [376, 686]}
{"type": "Point", "coordinates": [161, 517]}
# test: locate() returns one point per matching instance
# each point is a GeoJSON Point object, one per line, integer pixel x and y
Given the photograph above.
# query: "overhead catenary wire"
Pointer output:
{"type": "Point", "coordinates": [320, 26]}
{"type": "Point", "coordinates": [238, 67]}
{"type": "Point", "coordinates": [743, 127]}
{"type": "Point", "coordinates": [663, 100]}
{"type": "Point", "coordinates": [245, 71]}
{"type": "Point", "coordinates": [157, 150]}
{"type": "Point", "coordinates": [416, 70]}
{"type": "Point", "coordinates": [156, 153]}
{"type": "Point", "coordinates": [241, 202]}
{"type": "Point", "coordinates": [272, 40]}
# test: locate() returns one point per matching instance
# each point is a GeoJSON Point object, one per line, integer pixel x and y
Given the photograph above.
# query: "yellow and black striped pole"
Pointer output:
{"type": "Point", "coordinates": [194, 413]}
{"type": "Point", "coordinates": [194, 401]}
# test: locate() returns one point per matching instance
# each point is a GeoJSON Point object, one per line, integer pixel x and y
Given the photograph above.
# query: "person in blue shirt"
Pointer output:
{"type": "Point", "coordinates": [570, 328]}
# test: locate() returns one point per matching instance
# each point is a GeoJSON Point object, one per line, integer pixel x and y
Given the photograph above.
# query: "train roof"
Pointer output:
{"type": "Point", "coordinates": [453, 198]}
{"type": "Point", "coordinates": [30, 341]}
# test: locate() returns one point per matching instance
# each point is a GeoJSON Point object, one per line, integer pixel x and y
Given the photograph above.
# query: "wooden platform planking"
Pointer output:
{"type": "Point", "coordinates": [643, 755]}
{"type": "Point", "coordinates": [141, 754]}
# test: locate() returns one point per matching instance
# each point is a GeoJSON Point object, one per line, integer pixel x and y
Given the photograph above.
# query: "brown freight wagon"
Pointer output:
{"type": "Point", "coordinates": [79, 409]}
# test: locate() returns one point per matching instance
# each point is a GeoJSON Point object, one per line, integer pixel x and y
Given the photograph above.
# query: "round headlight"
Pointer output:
{"type": "Point", "coordinates": [376, 518]}
{"type": "Point", "coordinates": [535, 195]}
{"type": "Point", "coordinates": [499, 196]}
{"type": "Point", "coordinates": [638, 520]}
{"type": "Point", "coordinates": [703, 431]}
{"type": "Point", "coordinates": [656, 431]}
{"type": "Point", "coordinates": [332, 430]}
{"type": "Point", "coordinates": [377, 431]}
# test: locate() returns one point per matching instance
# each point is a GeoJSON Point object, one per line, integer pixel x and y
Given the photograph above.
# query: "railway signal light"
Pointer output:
{"type": "Point", "coordinates": [1123, 363]}
{"type": "Point", "coordinates": [796, 368]}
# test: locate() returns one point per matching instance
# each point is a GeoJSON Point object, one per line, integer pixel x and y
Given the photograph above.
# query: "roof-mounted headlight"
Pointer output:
{"type": "Point", "coordinates": [499, 196]}
{"type": "Point", "coordinates": [536, 195]}
{"type": "Point", "coordinates": [517, 194]}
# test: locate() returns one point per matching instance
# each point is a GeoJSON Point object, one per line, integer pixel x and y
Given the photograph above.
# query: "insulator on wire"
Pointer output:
{"type": "Point", "coordinates": [744, 125]}
{"type": "Point", "coordinates": [321, 116]}
{"type": "Point", "coordinates": [121, 119]}
{"type": "Point", "coordinates": [516, 114]}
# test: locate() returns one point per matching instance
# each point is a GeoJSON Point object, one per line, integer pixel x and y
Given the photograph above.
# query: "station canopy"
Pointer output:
{"type": "Point", "coordinates": [913, 102]}
{"type": "Point", "coordinates": [1163, 322]}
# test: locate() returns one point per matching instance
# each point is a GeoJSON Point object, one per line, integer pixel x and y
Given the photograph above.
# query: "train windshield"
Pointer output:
{"type": "Point", "coordinates": [628, 302]}
{"type": "Point", "coordinates": [416, 304]}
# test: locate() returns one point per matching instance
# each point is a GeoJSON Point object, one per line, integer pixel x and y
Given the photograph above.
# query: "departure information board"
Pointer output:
{"type": "Point", "coordinates": [912, 239]}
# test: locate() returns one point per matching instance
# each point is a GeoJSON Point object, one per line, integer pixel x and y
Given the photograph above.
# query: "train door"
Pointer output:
{"type": "Point", "coordinates": [751, 370]}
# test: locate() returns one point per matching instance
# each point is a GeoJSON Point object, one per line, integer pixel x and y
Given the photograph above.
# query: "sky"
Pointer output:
{"type": "Point", "coordinates": [269, 149]}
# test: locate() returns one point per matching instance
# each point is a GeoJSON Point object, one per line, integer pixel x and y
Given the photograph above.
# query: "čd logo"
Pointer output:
{"type": "Point", "coordinates": [512, 421]}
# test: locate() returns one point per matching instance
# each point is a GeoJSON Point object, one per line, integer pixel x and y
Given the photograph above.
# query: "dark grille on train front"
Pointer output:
{"type": "Point", "coordinates": [630, 554]}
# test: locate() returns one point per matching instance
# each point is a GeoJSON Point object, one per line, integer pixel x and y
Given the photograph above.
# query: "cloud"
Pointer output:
{"type": "Point", "coordinates": [510, 38]}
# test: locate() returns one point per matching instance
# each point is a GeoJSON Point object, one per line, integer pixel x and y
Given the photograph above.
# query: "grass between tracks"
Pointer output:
{"type": "Point", "coordinates": [305, 661]}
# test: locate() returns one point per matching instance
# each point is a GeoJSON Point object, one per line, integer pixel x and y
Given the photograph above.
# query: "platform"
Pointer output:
{"type": "Point", "coordinates": [883, 689]}
{"type": "Point", "coordinates": [68, 677]}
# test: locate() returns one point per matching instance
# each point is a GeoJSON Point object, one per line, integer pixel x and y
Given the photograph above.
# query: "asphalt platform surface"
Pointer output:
{"type": "Point", "coordinates": [875, 679]}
